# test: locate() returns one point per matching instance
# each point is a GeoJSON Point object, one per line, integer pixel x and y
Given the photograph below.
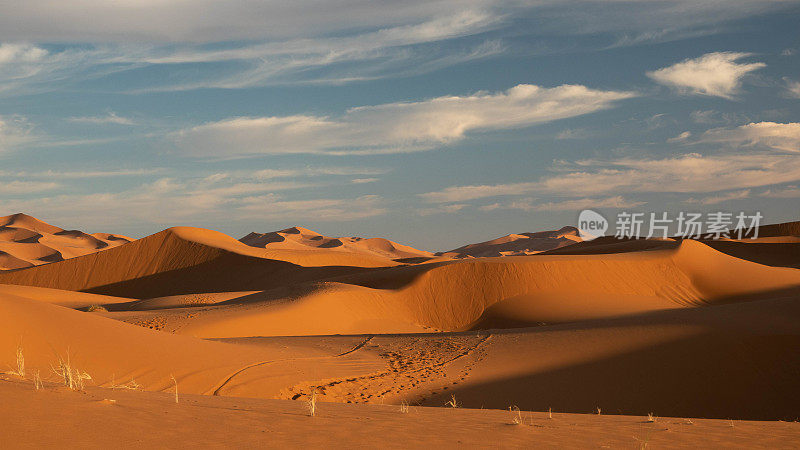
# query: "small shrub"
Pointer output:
{"type": "Point", "coordinates": [176, 387]}
{"type": "Point", "coordinates": [93, 308]}
{"type": "Point", "coordinates": [516, 415]}
{"type": "Point", "coordinates": [20, 362]}
{"type": "Point", "coordinates": [453, 403]}
{"type": "Point", "coordinates": [37, 380]}
{"type": "Point", "coordinates": [311, 403]}
{"type": "Point", "coordinates": [72, 377]}
{"type": "Point", "coordinates": [131, 385]}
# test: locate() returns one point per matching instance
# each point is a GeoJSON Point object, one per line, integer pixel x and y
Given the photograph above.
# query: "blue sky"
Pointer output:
{"type": "Point", "coordinates": [433, 123]}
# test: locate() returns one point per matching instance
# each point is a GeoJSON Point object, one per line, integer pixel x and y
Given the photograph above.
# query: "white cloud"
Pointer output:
{"type": "Point", "coordinates": [111, 117]}
{"type": "Point", "coordinates": [20, 53]}
{"type": "Point", "coordinates": [714, 199]}
{"type": "Point", "coordinates": [209, 20]}
{"type": "Point", "coordinates": [442, 209]}
{"type": "Point", "coordinates": [681, 137]}
{"type": "Point", "coordinates": [60, 174]}
{"type": "Point", "coordinates": [355, 55]}
{"type": "Point", "coordinates": [565, 205]}
{"type": "Point", "coordinates": [27, 187]}
{"type": "Point", "coordinates": [690, 173]}
{"type": "Point", "coordinates": [573, 134]}
{"type": "Point", "coordinates": [715, 117]}
{"type": "Point", "coordinates": [186, 200]}
{"type": "Point", "coordinates": [793, 87]}
{"type": "Point", "coordinates": [307, 41]}
{"type": "Point", "coordinates": [777, 136]}
{"type": "Point", "coordinates": [364, 180]}
{"type": "Point", "coordinates": [271, 207]}
{"type": "Point", "coordinates": [787, 192]}
{"type": "Point", "coordinates": [219, 20]}
{"type": "Point", "coordinates": [14, 132]}
{"type": "Point", "coordinates": [394, 127]}
{"type": "Point", "coordinates": [464, 193]}
{"type": "Point", "coordinates": [713, 74]}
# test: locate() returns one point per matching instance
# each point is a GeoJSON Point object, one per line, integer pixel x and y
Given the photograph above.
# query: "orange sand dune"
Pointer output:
{"type": "Point", "coordinates": [297, 238]}
{"type": "Point", "coordinates": [519, 244]}
{"type": "Point", "coordinates": [114, 353]}
{"type": "Point", "coordinates": [510, 292]}
{"type": "Point", "coordinates": [26, 241]}
{"type": "Point", "coordinates": [68, 299]}
{"type": "Point", "coordinates": [189, 260]}
{"type": "Point", "coordinates": [725, 361]}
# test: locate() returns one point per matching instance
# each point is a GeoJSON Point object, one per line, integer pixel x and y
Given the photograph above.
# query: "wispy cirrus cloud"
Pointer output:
{"type": "Point", "coordinates": [617, 202]}
{"type": "Point", "coordinates": [390, 51]}
{"type": "Point", "coordinates": [15, 131]}
{"type": "Point", "coordinates": [180, 198]}
{"type": "Point", "coordinates": [27, 187]}
{"type": "Point", "coordinates": [772, 135]}
{"type": "Point", "coordinates": [793, 88]}
{"type": "Point", "coordinates": [689, 173]}
{"type": "Point", "coordinates": [79, 174]}
{"type": "Point", "coordinates": [713, 74]}
{"type": "Point", "coordinates": [111, 118]}
{"type": "Point", "coordinates": [724, 197]}
{"type": "Point", "coordinates": [249, 44]}
{"type": "Point", "coordinates": [394, 127]}
{"type": "Point", "coordinates": [792, 191]}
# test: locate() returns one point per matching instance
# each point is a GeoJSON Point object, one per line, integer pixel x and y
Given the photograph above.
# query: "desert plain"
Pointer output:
{"type": "Point", "coordinates": [190, 337]}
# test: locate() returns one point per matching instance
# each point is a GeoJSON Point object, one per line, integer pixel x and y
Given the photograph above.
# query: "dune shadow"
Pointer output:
{"type": "Point", "coordinates": [711, 375]}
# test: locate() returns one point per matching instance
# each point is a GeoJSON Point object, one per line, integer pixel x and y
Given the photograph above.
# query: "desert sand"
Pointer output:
{"type": "Point", "coordinates": [702, 335]}
{"type": "Point", "coordinates": [26, 241]}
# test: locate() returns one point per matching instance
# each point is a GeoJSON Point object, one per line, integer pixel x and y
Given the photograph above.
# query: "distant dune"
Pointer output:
{"type": "Point", "coordinates": [297, 238]}
{"type": "Point", "coordinates": [519, 244]}
{"type": "Point", "coordinates": [26, 241]}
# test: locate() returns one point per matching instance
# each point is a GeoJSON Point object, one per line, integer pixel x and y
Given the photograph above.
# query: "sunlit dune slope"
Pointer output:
{"type": "Point", "coordinates": [486, 293]}
{"type": "Point", "coordinates": [727, 361]}
{"type": "Point", "coordinates": [26, 241]}
{"type": "Point", "coordinates": [68, 299]}
{"type": "Point", "coordinates": [188, 260]}
{"type": "Point", "coordinates": [114, 353]}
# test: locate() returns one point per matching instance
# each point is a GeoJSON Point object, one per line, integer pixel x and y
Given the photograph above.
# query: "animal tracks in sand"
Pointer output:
{"type": "Point", "coordinates": [416, 367]}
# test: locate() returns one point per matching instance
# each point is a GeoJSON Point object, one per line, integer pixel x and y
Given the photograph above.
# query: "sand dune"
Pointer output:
{"type": "Point", "coordinates": [298, 238]}
{"type": "Point", "coordinates": [513, 291]}
{"type": "Point", "coordinates": [189, 260]}
{"type": "Point", "coordinates": [26, 241]}
{"type": "Point", "coordinates": [676, 327]}
{"type": "Point", "coordinates": [519, 244]}
{"type": "Point", "coordinates": [626, 365]}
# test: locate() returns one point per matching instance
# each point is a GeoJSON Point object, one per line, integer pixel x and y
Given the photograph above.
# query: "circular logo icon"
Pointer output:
{"type": "Point", "coordinates": [591, 225]}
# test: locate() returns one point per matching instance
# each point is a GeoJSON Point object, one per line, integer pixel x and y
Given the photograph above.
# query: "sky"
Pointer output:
{"type": "Point", "coordinates": [434, 123]}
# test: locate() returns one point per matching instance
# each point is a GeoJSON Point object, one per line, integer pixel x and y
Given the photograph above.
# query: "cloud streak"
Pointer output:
{"type": "Point", "coordinates": [776, 136]}
{"type": "Point", "coordinates": [110, 118]}
{"type": "Point", "coordinates": [394, 127]}
{"type": "Point", "coordinates": [689, 173]}
{"type": "Point", "coordinates": [713, 74]}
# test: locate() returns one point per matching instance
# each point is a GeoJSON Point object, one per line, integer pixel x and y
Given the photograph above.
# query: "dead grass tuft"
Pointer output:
{"type": "Point", "coordinates": [453, 403]}
{"type": "Point", "coordinates": [311, 403]}
{"type": "Point", "coordinates": [72, 377]}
